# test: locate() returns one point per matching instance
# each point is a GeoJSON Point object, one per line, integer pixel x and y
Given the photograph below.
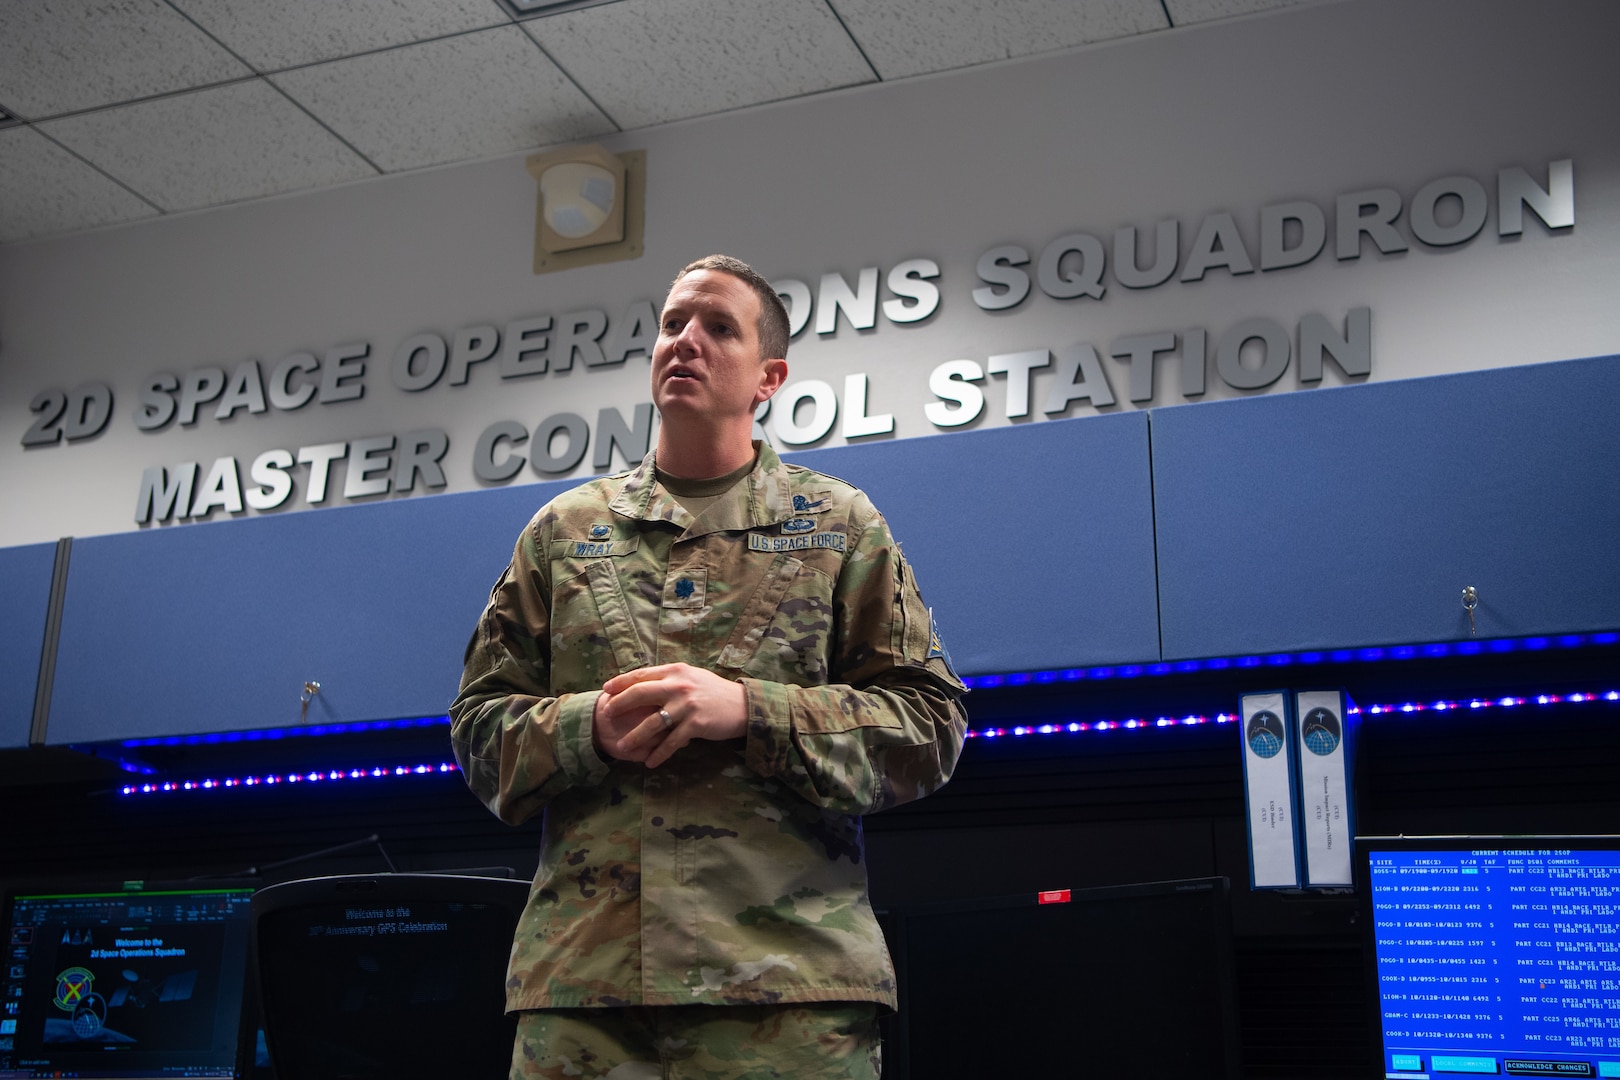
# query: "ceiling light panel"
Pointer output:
{"type": "Point", "coordinates": [913, 37]}
{"type": "Point", "coordinates": [213, 146]}
{"type": "Point", "coordinates": [475, 95]}
{"type": "Point", "coordinates": [47, 190]}
{"type": "Point", "coordinates": [62, 57]}
{"type": "Point", "coordinates": [289, 33]}
{"type": "Point", "coordinates": [650, 61]}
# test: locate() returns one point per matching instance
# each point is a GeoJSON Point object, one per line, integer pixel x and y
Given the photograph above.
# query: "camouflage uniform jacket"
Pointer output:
{"type": "Point", "coordinates": [733, 873]}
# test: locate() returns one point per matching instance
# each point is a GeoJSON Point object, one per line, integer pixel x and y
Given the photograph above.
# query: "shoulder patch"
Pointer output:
{"type": "Point", "coordinates": [936, 645]}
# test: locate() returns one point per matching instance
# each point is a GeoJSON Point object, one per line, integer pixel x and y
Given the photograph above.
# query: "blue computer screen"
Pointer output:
{"type": "Point", "coordinates": [1496, 957]}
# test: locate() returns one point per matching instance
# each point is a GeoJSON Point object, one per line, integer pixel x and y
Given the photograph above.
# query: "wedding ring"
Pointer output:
{"type": "Point", "coordinates": [669, 721]}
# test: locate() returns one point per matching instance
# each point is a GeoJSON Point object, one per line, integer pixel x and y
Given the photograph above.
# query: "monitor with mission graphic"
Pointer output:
{"type": "Point", "coordinates": [142, 980]}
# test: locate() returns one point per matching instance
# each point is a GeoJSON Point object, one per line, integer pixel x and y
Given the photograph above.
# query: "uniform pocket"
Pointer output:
{"type": "Point", "coordinates": [759, 611]}
{"type": "Point", "coordinates": [629, 651]}
{"type": "Point", "coordinates": [786, 631]}
{"type": "Point", "coordinates": [593, 637]}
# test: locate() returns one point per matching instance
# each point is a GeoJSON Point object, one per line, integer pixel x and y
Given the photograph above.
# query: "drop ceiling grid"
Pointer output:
{"type": "Point", "coordinates": [292, 33]}
{"type": "Point", "coordinates": [63, 58]}
{"type": "Point", "coordinates": [451, 99]}
{"type": "Point", "coordinates": [46, 189]}
{"type": "Point", "coordinates": [240, 141]}
{"type": "Point", "coordinates": [652, 61]}
{"type": "Point", "coordinates": [915, 37]}
{"type": "Point", "coordinates": [266, 97]}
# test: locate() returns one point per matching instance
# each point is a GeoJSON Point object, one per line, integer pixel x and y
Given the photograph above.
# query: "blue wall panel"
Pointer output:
{"type": "Point", "coordinates": [1331, 518]}
{"type": "Point", "coordinates": [25, 596]}
{"type": "Point", "coordinates": [1356, 516]}
{"type": "Point", "coordinates": [215, 627]}
{"type": "Point", "coordinates": [1034, 544]}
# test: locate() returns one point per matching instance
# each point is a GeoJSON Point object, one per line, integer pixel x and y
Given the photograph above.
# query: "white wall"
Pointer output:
{"type": "Point", "coordinates": [1306, 104]}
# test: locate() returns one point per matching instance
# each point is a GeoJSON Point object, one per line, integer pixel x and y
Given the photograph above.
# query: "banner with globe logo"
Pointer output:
{"type": "Point", "coordinates": [1325, 762]}
{"type": "Point", "coordinates": [1269, 789]}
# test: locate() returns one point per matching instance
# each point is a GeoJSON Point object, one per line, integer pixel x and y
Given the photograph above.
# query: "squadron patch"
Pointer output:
{"type": "Point", "coordinates": [936, 645]}
{"type": "Point", "coordinates": [814, 502]}
{"type": "Point", "coordinates": [803, 542]}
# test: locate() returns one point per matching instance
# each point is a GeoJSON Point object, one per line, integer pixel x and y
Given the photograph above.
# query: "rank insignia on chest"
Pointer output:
{"type": "Point", "coordinates": [812, 502]}
{"type": "Point", "coordinates": [687, 589]}
{"type": "Point", "coordinates": [799, 525]}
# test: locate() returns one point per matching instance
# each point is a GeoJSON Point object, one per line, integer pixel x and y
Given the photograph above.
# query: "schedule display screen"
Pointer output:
{"type": "Point", "coordinates": [1496, 957]}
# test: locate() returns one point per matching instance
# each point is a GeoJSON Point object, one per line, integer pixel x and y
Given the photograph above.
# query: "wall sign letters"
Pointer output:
{"type": "Point", "coordinates": [1246, 353]}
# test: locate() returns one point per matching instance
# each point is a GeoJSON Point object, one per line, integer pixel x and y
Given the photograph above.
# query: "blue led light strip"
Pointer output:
{"type": "Point", "coordinates": [317, 776]}
{"type": "Point", "coordinates": [1118, 671]}
{"type": "Point", "coordinates": [1430, 651]}
{"type": "Point", "coordinates": [1077, 727]}
{"type": "Point", "coordinates": [1071, 727]}
{"type": "Point", "coordinates": [1488, 703]}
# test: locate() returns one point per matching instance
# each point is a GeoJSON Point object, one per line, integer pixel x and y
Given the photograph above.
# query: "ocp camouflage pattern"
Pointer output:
{"type": "Point", "coordinates": [734, 872]}
{"type": "Point", "coordinates": [804, 1041]}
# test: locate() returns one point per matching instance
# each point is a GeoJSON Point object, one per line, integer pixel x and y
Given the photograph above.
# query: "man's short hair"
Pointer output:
{"type": "Point", "coordinates": [773, 316]}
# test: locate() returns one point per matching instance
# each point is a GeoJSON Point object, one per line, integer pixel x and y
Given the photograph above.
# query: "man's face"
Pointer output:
{"type": "Point", "coordinates": [706, 365]}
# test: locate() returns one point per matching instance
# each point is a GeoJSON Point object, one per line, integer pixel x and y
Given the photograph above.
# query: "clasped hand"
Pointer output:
{"type": "Point", "coordinates": [629, 724]}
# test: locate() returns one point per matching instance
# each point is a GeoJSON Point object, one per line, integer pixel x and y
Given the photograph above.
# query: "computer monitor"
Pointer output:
{"type": "Point", "coordinates": [1122, 981]}
{"type": "Point", "coordinates": [138, 981]}
{"type": "Point", "coordinates": [387, 976]}
{"type": "Point", "coordinates": [1492, 955]}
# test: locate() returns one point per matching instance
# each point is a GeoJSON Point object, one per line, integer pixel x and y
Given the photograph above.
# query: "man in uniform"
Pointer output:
{"type": "Point", "coordinates": [703, 671]}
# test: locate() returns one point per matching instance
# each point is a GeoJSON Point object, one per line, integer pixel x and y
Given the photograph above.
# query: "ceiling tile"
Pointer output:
{"type": "Point", "coordinates": [1187, 12]}
{"type": "Point", "coordinates": [67, 55]}
{"type": "Point", "coordinates": [912, 37]}
{"type": "Point", "coordinates": [475, 95]}
{"type": "Point", "coordinates": [650, 61]}
{"type": "Point", "coordinates": [292, 32]}
{"type": "Point", "coordinates": [48, 190]}
{"type": "Point", "coordinates": [212, 146]}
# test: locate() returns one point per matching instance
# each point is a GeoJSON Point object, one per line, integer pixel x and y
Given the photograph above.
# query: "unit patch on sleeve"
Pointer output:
{"type": "Point", "coordinates": [936, 645]}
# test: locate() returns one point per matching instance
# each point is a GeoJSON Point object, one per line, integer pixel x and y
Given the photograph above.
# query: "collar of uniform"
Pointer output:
{"type": "Point", "coordinates": [769, 500]}
{"type": "Point", "coordinates": [640, 497]}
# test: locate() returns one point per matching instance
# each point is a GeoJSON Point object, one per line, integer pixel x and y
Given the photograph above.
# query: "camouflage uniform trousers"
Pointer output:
{"type": "Point", "coordinates": [812, 1041]}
